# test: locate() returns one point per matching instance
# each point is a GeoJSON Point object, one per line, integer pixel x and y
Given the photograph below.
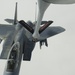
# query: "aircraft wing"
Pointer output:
{"type": "Point", "coordinates": [51, 31]}
{"type": "Point", "coordinates": [5, 30]}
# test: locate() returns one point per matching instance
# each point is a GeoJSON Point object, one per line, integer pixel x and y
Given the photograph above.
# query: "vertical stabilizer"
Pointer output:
{"type": "Point", "coordinates": [15, 16]}
{"type": "Point", "coordinates": [13, 21]}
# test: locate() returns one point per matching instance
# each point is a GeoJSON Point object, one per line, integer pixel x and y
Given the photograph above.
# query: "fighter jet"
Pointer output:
{"type": "Point", "coordinates": [20, 37]}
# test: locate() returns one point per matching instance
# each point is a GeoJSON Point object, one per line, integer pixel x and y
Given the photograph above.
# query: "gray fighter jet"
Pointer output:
{"type": "Point", "coordinates": [20, 37]}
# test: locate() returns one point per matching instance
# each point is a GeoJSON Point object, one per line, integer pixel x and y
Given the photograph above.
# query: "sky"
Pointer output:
{"type": "Point", "coordinates": [59, 57]}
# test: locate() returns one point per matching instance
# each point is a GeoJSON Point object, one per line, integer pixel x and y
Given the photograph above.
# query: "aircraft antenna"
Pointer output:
{"type": "Point", "coordinates": [15, 16]}
{"type": "Point", "coordinates": [35, 11]}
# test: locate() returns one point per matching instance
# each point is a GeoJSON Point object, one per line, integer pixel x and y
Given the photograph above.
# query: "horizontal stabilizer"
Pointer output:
{"type": "Point", "coordinates": [9, 20]}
